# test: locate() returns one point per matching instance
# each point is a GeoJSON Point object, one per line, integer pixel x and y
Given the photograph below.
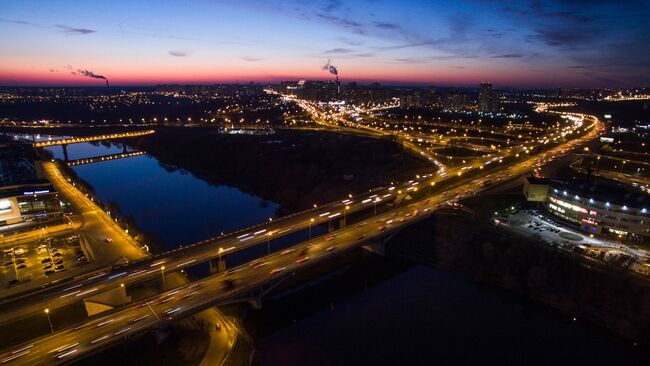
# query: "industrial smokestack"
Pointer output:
{"type": "Point", "coordinates": [333, 70]}
{"type": "Point", "coordinates": [90, 74]}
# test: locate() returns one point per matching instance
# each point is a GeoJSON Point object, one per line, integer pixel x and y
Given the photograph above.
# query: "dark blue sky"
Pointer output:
{"type": "Point", "coordinates": [551, 43]}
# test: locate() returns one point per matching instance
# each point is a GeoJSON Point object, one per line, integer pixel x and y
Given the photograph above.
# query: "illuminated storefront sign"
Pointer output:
{"type": "Point", "coordinates": [568, 205]}
{"type": "Point", "coordinates": [588, 221]}
{"type": "Point", "coordinates": [35, 192]}
{"type": "Point", "coordinates": [558, 209]}
{"type": "Point", "coordinates": [619, 232]}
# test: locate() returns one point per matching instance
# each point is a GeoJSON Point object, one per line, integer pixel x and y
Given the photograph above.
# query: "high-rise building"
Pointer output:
{"type": "Point", "coordinates": [411, 99]}
{"type": "Point", "coordinates": [486, 99]}
{"type": "Point", "coordinates": [456, 101]}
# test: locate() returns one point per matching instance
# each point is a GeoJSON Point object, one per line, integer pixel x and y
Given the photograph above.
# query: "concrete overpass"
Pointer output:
{"type": "Point", "coordinates": [65, 292]}
{"type": "Point", "coordinates": [248, 283]}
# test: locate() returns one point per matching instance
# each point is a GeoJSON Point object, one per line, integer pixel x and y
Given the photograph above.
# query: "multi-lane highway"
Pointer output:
{"type": "Point", "coordinates": [193, 297]}
{"type": "Point", "coordinates": [63, 293]}
{"type": "Point", "coordinates": [69, 292]}
{"type": "Point", "coordinates": [94, 334]}
{"type": "Point", "coordinates": [75, 341]}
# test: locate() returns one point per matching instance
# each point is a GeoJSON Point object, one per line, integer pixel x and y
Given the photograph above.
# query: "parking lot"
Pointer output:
{"type": "Point", "coordinates": [557, 234]}
{"type": "Point", "coordinates": [39, 259]}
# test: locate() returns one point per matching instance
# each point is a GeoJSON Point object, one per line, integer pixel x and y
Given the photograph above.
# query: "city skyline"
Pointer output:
{"type": "Point", "coordinates": [531, 44]}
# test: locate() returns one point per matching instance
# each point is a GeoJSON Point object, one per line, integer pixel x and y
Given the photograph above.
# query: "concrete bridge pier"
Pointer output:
{"type": "Point", "coordinates": [106, 300]}
{"type": "Point", "coordinates": [65, 152]}
{"type": "Point", "coordinates": [218, 265]}
{"type": "Point", "coordinates": [255, 303]}
{"type": "Point", "coordinates": [379, 247]}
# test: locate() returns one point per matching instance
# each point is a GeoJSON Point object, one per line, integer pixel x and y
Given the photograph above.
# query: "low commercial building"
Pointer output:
{"type": "Point", "coordinates": [603, 207]}
{"type": "Point", "coordinates": [28, 203]}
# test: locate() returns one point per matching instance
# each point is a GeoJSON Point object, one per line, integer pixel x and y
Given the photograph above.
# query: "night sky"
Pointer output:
{"type": "Point", "coordinates": [552, 43]}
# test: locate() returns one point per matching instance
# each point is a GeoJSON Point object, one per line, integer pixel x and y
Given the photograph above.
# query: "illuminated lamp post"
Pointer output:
{"type": "Point", "coordinates": [47, 313]}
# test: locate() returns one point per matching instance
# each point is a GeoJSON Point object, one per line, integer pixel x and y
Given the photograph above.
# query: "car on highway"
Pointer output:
{"type": "Point", "coordinates": [381, 228]}
{"type": "Point", "coordinates": [108, 240]}
{"type": "Point", "coordinates": [330, 248]}
{"type": "Point", "coordinates": [277, 270]}
{"type": "Point", "coordinates": [329, 237]}
{"type": "Point", "coordinates": [302, 260]}
{"type": "Point", "coordinates": [258, 264]}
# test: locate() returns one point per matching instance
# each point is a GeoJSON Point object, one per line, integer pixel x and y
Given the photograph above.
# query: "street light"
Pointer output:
{"type": "Point", "coordinates": [162, 274]}
{"type": "Point", "coordinates": [311, 222]}
{"type": "Point", "coordinates": [268, 242]}
{"type": "Point", "coordinates": [47, 313]}
{"type": "Point", "coordinates": [344, 212]}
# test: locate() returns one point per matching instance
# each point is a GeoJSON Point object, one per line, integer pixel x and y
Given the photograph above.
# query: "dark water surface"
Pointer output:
{"type": "Point", "coordinates": [425, 316]}
{"type": "Point", "coordinates": [170, 203]}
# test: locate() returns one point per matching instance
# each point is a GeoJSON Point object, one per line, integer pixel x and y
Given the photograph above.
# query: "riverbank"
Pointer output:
{"type": "Point", "coordinates": [461, 244]}
{"type": "Point", "coordinates": [294, 168]}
